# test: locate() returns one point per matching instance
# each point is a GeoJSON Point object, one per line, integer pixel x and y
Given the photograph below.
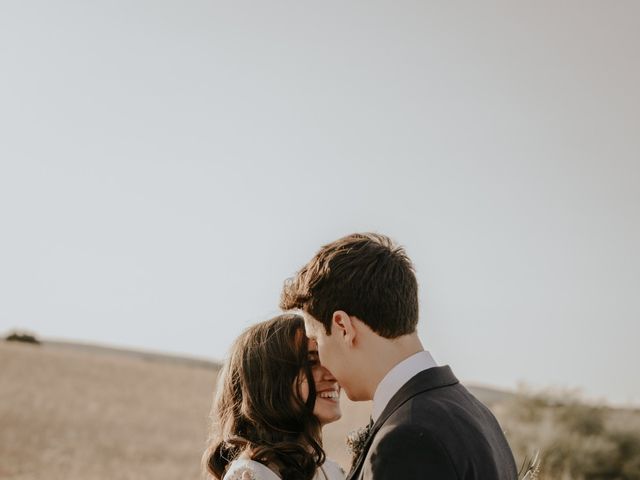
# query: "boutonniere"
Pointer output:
{"type": "Point", "coordinates": [356, 440]}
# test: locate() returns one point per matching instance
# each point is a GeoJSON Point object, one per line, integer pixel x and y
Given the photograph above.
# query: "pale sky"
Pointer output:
{"type": "Point", "coordinates": [164, 166]}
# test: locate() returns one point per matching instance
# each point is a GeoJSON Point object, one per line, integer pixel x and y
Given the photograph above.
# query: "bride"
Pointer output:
{"type": "Point", "coordinates": [273, 398]}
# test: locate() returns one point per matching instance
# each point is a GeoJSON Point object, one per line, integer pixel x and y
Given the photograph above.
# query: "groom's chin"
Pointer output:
{"type": "Point", "coordinates": [355, 396]}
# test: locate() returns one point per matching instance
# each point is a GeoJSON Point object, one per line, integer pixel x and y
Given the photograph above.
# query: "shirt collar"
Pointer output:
{"type": "Point", "coordinates": [397, 377]}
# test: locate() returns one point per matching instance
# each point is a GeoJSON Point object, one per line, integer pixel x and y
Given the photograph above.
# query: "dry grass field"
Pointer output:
{"type": "Point", "coordinates": [79, 412]}
{"type": "Point", "coordinates": [68, 414]}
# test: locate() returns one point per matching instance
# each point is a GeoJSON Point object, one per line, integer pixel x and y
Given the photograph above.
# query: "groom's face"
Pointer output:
{"type": "Point", "coordinates": [330, 351]}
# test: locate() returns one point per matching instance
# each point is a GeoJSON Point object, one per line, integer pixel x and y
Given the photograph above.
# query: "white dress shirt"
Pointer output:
{"type": "Point", "coordinates": [397, 377]}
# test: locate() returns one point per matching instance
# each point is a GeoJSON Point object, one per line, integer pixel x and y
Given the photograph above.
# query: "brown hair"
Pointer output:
{"type": "Point", "coordinates": [258, 406]}
{"type": "Point", "coordinates": [364, 274]}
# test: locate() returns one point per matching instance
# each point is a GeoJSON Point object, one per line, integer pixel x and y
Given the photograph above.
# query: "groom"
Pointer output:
{"type": "Point", "coordinates": [359, 297]}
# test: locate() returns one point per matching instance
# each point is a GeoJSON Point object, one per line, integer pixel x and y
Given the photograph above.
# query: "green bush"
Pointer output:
{"type": "Point", "coordinates": [577, 441]}
{"type": "Point", "coordinates": [22, 337]}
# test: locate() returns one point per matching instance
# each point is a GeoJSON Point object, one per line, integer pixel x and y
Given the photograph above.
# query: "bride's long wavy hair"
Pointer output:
{"type": "Point", "coordinates": [258, 406]}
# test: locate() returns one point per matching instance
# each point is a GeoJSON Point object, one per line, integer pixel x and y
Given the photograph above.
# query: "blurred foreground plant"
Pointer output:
{"type": "Point", "coordinates": [530, 468]}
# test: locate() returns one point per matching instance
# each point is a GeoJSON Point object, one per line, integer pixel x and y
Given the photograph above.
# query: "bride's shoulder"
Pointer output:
{"type": "Point", "coordinates": [246, 469]}
{"type": "Point", "coordinates": [333, 471]}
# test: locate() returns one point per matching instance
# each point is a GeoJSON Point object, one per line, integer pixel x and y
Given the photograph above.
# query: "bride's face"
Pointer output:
{"type": "Point", "coordinates": [327, 407]}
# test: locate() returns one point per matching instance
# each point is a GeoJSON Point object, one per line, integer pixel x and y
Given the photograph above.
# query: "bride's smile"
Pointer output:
{"type": "Point", "coordinates": [327, 405]}
{"type": "Point", "coordinates": [332, 394]}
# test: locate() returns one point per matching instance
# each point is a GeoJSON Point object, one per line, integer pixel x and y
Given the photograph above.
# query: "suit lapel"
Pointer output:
{"type": "Point", "coordinates": [429, 379]}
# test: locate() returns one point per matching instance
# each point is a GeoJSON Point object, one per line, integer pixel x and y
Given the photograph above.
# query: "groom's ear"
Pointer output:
{"type": "Point", "coordinates": [343, 326]}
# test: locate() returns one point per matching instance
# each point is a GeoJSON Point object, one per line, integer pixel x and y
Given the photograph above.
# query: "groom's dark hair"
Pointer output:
{"type": "Point", "coordinates": [364, 274]}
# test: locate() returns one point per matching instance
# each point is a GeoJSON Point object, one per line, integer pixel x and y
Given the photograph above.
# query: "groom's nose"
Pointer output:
{"type": "Point", "coordinates": [327, 375]}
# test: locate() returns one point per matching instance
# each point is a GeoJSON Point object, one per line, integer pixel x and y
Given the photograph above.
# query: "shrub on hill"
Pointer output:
{"type": "Point", "coordinates": [22, 337]}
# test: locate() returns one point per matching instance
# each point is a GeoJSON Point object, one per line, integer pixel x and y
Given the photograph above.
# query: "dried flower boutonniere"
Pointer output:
{"type": "Point", "coordinates": [357, 439]}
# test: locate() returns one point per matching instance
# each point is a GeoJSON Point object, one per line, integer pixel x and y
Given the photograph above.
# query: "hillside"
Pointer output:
{"type": "Point", "coordinates": [80, 412]}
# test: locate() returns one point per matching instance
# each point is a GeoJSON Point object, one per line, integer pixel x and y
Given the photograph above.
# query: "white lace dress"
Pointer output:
{"type": "Point", "coordinates": [245, 469]}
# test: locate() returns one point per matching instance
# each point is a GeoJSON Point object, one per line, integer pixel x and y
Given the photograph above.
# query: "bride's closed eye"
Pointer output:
{"type": "Point", "coordinates": [313, 359]}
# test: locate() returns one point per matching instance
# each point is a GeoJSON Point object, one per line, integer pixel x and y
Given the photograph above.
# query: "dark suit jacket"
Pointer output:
{"type": "Point", "coordinates": [433, 428]}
